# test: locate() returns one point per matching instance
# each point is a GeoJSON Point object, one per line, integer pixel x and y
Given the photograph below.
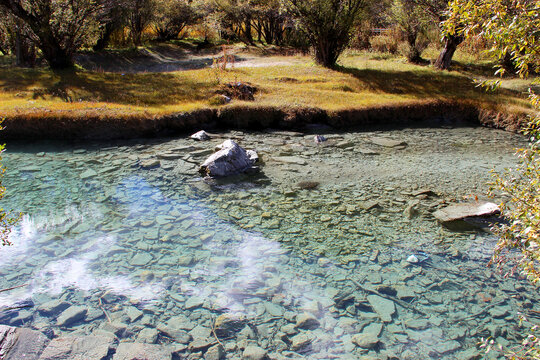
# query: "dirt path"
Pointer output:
{"type": "Point", "coordinates": [169, 58]}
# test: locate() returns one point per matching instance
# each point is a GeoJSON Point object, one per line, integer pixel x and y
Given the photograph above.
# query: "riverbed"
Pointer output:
{"type": "Point", "coordinates": [307, 259]}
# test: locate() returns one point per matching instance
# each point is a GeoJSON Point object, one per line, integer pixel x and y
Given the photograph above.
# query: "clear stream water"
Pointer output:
{"type": "Point", "coordinates": [128, 239]}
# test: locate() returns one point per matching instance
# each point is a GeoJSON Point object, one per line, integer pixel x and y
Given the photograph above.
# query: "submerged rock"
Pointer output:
{"type": "Point", "coordinates": [290, 160]}
{"type": "Point", "coordinates": [411, 210]}
{"type": "Point", "coordinates": [308, 185]}
{"type": "Point", "coordinates": [71, 315]}
{"type": "Point", "coordinates": [446, 347]}
{"type": "Point", "coordinates": [367, 151]}
{"type": "Point", "coordinates": [88, 174]}
{"type": "Point", "coordinates": [369, 337]}
{"type": "Point", "coordinates": [300, 342]}
{"type": "Point", "coordinates": [53, 307]}
{"type": "Point", "coordinates": [72, 347]}
{"type": "Point", "coordinates": [383, 307]}
{"type": "Point", "coordinates": [130, 351]}
{"type": "Point", "coordinates": [179, 335]}
{"type": "Point", "coordinates": [148, 335]}
{"type": "Point", "coordinates": [150, 164]}
{"type": "Point", "coordinates": [273, 309]}
{"type": "Point", "coordinates": [231, 159]}
{"type": "Point", "coordinates": [141, 259]}
{"type": "Point", "coordinates": [18, 344]}
{"type": "Point", "coordinates": [133, 314]}
{"type": "Point", "coordinates": [458, 217]}
{"type": "Point", "coordinates": [228, 324]}
{"type": "Point", "coordinates": [417, 324]}
{"type": "Point", "coordinates": [307, 321]}
{"type": "Point", "coordinates": [385, 142]}
{"type": "Point", "coordinates": [216, 352]}
{"type": "Point", "coordinates": [254, 353]}
{"type": "Point", "coordinates": [194, 302]}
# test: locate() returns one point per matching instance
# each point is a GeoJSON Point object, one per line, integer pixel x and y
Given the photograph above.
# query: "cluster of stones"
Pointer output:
{"type": "Point", "coordinates": [401, 313]}
{"type": "Point", "coordinates": [21, 343]}
{"type": "Point", "coordinates": [292, 305]}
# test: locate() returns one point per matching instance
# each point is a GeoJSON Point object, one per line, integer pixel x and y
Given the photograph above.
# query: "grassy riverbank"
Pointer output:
{"type": "Point", "coordinates": [363, 81]}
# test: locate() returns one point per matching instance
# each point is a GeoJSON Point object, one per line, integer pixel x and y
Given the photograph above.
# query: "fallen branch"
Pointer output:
{"type": "Point", "coordinates": [104, 311]}
{"type": "Point", "coordinates": [444, 282]}
{"type": "Point", "coordinates": [401, 303]}
{"type": "Point", "coordinates": [16, 308]}
{"type": "Point", "coordinates": [481, 312]}
{"type": "Point", "coordinates": [214, 332]}
{"type": "Point", "coordinates": [13, 288]}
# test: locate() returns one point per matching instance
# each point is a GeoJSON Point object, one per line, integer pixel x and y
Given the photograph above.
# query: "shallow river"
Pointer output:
{"type": "Point", "coordinates": [126, 240]}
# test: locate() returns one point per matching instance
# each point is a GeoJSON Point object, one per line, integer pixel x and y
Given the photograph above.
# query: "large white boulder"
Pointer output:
{"type": "Point", "coordinates": [230, 159]}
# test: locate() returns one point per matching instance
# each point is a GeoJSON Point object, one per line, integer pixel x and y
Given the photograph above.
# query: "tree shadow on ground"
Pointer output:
{"type": "Point", "coordinates": [420, 84]}
{"type": "Point", "coordinates": [152, 89]}
{"type": "Point", "coordinates": [480, 69]}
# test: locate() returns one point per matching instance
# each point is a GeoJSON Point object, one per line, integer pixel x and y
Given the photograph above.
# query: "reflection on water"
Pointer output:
{"type": "Point", "coordinates": [322, 272]}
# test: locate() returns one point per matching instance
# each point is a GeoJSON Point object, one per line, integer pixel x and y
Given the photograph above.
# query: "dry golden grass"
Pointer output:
{"type": "Point", "coordinates": [363, 80]}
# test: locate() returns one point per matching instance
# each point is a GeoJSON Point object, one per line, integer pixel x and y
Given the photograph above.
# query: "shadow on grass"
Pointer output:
{"type": "Point", "coordinates": [421, 84]}
{"type": "Point", "coordinates": [152, 89]}
{"type": "Point", "coordinates": [482, 69]}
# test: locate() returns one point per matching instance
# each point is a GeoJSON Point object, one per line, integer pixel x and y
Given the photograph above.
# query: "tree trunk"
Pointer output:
{"type": "Point", "coordinates": [136, 36]}
{"type": "Point", "coordinates": [259, 31]}
{"type": "Point", "coordinates": [18, 47]}
{"type": "Point", "coordinates": [507, 63]}
{"type": "Point", "coordinates": [25, 51]}
{"type": "Point", "coordinates": [413, 55]}
{"type": "Point", "coordinates": [445, 58]}
{"type": "Point", "coordinates": [137, 28]}
{"type": "Point", "coordinates": [268, 36]}
{"type": "Point", "coordinates": [247, 31]}
{"type": "Point", "coordinates": [326, 54]}
{"type": "Point", "coordinates": [105, 37]}
{"type": "Point", "coordinates": [228, 32]}
{"type": "Point", "coordinates": [57, 57]}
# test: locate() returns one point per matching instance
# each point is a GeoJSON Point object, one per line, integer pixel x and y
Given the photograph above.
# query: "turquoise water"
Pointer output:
{"type": "Point", "coordinates": [130, 241]}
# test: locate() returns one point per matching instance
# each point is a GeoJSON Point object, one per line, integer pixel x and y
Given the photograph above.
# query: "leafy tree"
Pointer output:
{"type": "Point", "coordinates": [7, 220]}
{"type": "Point", "coordinates": [513, 28]}
{"type": "Point", "coordinates": [113, 18]}
{"type": "Point", "coordinates": [438, 10]}
{"type": "Point", "coordinates": [209, 19]}
{"type": "Point", "coordinates": [327, 23]}
{"type": "Point", "coordinates": [58, 28]}
{"type": "Point", "coordinates": [270, 23]}
{"type": "Point", "coordinates": [514, 32]}
{"type": "Point", "coordinates": [6, 32]}
{"type": "Point", "coordinates": [139, 14]}
{"type": "Point", "coordinates": [15, 39]}
{"type": "Point", "coordinates": [236, 19]}
{"type": "Point", "coordinates": [413, 23]}
{"type": "Point", "coordinates": [172, 16]}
